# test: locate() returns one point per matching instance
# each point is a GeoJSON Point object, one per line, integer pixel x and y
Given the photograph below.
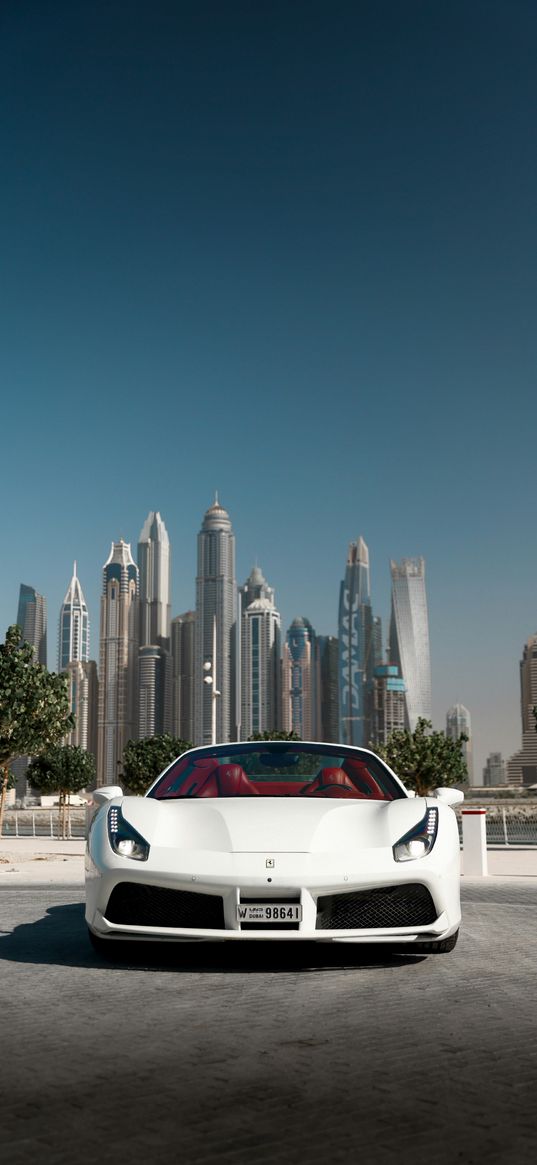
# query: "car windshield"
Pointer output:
{"type": "Point", "coordinates": [278, 769]}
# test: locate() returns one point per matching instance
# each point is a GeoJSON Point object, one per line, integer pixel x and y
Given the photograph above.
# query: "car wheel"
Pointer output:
{"type": "Point", "coordinates": [437, 946]}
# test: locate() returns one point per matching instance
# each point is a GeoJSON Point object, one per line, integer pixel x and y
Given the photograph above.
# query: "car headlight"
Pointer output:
{"type": "Point", "coordinates": [419, 840]}
{"type": "Point", "coordinates": [124, 838]}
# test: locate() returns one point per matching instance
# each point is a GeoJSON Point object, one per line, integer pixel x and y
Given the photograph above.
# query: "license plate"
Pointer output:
{"type": "Point", "coordinates": [269, 912]}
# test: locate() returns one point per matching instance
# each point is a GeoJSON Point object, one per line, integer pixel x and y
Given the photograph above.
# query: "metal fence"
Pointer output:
{"type": "Point", "coordinates": [29, 824]}
{"type": "Point", "coordinates": [508, 827]}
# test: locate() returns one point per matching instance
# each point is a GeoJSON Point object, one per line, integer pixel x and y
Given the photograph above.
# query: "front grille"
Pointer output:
{"type": "Point", "coordinates": [136, 904]}
{"type": "Point", "coordinates": [388, 906]}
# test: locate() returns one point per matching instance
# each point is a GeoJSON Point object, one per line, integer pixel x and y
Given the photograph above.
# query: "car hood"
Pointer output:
{"type": "Point", "coordinates": [271, 824]}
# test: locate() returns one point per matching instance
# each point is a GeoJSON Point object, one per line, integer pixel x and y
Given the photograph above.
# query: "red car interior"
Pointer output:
{"type": "Point", "coordinates": [204, 777]}
{"type": "Point", "coordinates": [332, 782]}
{"type": "Point", "coordinates": [361, 778]}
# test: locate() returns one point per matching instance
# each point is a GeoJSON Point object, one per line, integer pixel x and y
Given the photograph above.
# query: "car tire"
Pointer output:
{"type": "Point", "coordinates": [437, 946]}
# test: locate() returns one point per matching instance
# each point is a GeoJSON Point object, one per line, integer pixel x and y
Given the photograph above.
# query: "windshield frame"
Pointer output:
{"type": "Point", "coordinates": [224, 754]}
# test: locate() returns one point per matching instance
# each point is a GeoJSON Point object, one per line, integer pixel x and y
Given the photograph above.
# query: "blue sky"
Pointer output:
{"type": "Point", "coordinates": [286, 250]}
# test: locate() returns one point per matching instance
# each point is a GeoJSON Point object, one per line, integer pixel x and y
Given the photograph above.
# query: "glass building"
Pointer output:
{"type": "Point", "coordinates": [409, 637]}
{"type": "Point", "coordinates": [356, 649]}
{"type": "Point", "coordinates": [74, 629]}
{"type": "Point", "coordinates": [155, 665]}
{"type": "Point", "coordinates": [327, 688]}
{"type": "Point", "coordinates": [217, 605]}
{"type": "Point", "coordinates": [32, 620]}
{"type": "Point", "coordinates": [522, 767]}
{"type": "Point", "coordinates": [260, 668]}
{"type": "Point", "coordinates": [459, 722]}
{"type": "Point", "coordinates": [298, 680]}
{"type": "Point", "coordinates": [183, 639]}
{"type": "Point", "coordinates": [118, 662]}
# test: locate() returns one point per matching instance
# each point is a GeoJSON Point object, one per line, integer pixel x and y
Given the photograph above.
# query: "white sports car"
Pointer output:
{"type": "Point", "coordinates": [280, 840]}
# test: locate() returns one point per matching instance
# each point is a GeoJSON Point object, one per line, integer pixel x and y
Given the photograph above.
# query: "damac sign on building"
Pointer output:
{"type": "Point", "coordinates": [350, 661]}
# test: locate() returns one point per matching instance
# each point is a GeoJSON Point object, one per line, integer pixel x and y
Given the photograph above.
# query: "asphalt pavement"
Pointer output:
{"type": "Point", "coordinates": [204, 1054]}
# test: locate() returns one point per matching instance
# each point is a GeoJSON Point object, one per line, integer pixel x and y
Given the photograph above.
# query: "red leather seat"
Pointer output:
{"type": "Point", "coordinates": [332, 782]}
{"type": "Point", "coordinates": [203, 781]}
{"type": "Point", "coordinates": [233, 782]}
{"type": "Point", "coordinates": [358, 772]}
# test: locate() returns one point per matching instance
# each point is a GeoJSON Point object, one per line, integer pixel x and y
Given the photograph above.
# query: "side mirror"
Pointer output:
{"type": "Point", "coordinates": [106, 793]}
{"type": "Point", "coordinates": [448, 796]}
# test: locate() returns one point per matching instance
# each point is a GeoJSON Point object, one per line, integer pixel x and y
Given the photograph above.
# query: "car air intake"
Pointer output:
{"type": "Point", "coordinates": [389, 906]}
{"type": "Point", "coordinates": [136, 904]}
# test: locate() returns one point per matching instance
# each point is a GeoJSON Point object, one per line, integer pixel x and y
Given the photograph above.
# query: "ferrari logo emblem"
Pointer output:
{"type": "Point", "coordinates": [270, 863]}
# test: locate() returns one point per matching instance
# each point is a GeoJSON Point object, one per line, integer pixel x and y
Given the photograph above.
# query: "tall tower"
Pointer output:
{"type": "Point", "coordinates": [260, 667]}
{"type": "Point", "coordinates": [217, 598]}
{"type": "Point", "coordinates": [327, 687]}
{"type": "Point", "coordinates": [73, 658]}
{"type": "Point", "coordinates": [118, 671]}
{"type": "Point", "coordinates": [522, 767]}
{"type": "Point", "coordinates": [388, 703]}
{"type": "Point", "coordinates": [183, 634]}
{"type": "Point", "coordinates": [155, 582]}
{"type": "Point", "coordinates": [73, 637]}
{"type": "Point", "coordinates": [459, 721]}
{"type": "Point", "coordinates": [155, 670]}
{"type": "Point", "coordinates": [32, 620]}
{"type": "Point", "coordinates": [409, 637]}
{"type": "Point", "coordinates": [356, 652]}
{"type": "Point", "coordinates": [255, 587]}
{"type": "Point", "coordinates": [298, 680]}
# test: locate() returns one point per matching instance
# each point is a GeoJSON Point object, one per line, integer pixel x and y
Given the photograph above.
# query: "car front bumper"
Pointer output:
{"type": "Point", "coordinates": [294, 877]}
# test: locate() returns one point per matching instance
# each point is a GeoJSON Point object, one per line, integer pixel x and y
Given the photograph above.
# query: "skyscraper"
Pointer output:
{"type": "Point", "coordinates": [255, 587]}
{"type": "Point", "coordinates": [522, 766]}
{"type": "Point", "coordinates": [327, 688]}
{"type": "Point", "coordinates": [155, 668]}
{"type": "Point", "coordinates": [155, 582]}
{"type": "Point", "coordinates": [73, 658]}
{"type": "Point", "coordinates": [260, 666]}
{"type": "Point", "coordinates": [459, 721]}
{"type": "Point", "coordinates": [217, 599]}
{"type": "Point", "coordinates": [298, 680]}
{"type": "Point", "coordinates": [84, 698]}
{"type": "Point", "coordinates": [118, 670]}
{"type": "Point", "coordinates": [409, 637]}
{"type": "Point", "coordinates": [356, 653]}
{"type": "Point", "coordinates": [388, 703]}
{"type": "Point", "coordinates": [183, 637]}
{"type": "Point", "coordinates": [32, 620]}
{"type": "Point", "coordinates": [494, 770]}
{"type": "Point", "coordinates": [73, 637]}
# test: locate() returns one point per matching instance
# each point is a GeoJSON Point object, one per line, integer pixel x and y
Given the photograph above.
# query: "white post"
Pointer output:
{"type": "Point", "coordinates": [474, 843]}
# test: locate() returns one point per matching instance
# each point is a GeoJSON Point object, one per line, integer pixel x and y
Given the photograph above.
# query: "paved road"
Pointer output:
{"type": "Point", "coordinates": [214, 1054]}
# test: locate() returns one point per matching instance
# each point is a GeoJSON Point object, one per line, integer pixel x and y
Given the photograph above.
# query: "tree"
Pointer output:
{"type": "Point", "coordinates": [64, 769]}
{"type": "Point", "coordinates": [144, 760]}
{"type": "Point", "coordinates": [277, 735]}
{"type": "Point", "coordinates": [425, 759]}
{"type": "Point", "coordinates": [34, 706]}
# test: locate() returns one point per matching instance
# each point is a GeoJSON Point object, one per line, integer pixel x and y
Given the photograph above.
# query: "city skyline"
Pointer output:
{"type": "Point", "coordinates": [258, 585]}
{"type": "Point", "coordinates": [312, 287]}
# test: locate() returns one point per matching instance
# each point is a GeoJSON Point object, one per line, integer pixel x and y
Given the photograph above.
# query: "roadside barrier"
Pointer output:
{"type": "Point", "coordinates": [30, 823]}
{"type": "Point", "coordinates": [510, 827]}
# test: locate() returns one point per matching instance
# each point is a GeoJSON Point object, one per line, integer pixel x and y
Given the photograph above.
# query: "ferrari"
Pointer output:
{"type": "Point", "coordinates": [280, 840]}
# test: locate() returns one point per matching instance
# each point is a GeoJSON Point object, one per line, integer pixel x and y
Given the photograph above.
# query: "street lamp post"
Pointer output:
{"type": "Point", "coordinates": [210, 678]}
